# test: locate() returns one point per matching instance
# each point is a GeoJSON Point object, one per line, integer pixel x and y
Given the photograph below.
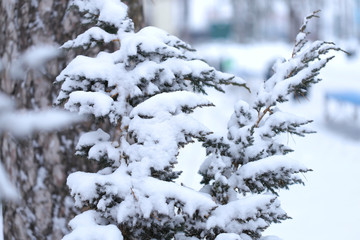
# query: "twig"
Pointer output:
{"type": "Point", "coordinates": [153, 215]}
{"type": "Point", "coordinates": [263, 114]}
{"type": "Point", "coordinates": [304, 96]}
{"type": "Point", "coordinates": [134, 194]}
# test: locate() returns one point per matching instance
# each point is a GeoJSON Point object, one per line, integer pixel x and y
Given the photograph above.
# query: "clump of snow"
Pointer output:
{"type": "Point", "coordinates": [96, 103]}
{"type": "Point", "coordinates": [110, 11]}
{"type": "Point", "coordinates": [173, 103]}
{"type": "Point", "coordinates": [270, 164]}
{"type": "Point", "coordinates": [87, 225]}
{"type": "Point", "coordinates": [91, 138]}
{"type": "Point", "coordinates": [91, 35]}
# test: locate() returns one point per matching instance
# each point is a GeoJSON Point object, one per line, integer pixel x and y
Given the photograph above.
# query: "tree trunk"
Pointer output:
{"type": "Point", "coordinates": [38, 166]}
{"type": "Point", "coordinates": [136, 13]}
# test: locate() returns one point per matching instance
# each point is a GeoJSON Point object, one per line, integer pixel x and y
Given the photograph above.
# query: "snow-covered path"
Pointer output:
{"type": "Point", "coordinates": [328, 206]}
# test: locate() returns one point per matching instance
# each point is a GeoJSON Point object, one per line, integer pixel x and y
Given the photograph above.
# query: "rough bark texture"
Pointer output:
{"type": "Point", "coordinates": [44, 209]}
{"type": "Point", "coordinates": [136, 12]}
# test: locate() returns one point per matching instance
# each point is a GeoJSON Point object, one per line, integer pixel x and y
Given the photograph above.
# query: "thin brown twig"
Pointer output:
{"type": "Point", "coordinates": [133, 194]}
{"type": "Point", "coordinates": [153, 215]}
{"type": "Point", "coordinates": [263, 114]}
{"type": "Point", "coordinates": [304, 96]}
{"type": "Point", "coordinates": [114, 95]}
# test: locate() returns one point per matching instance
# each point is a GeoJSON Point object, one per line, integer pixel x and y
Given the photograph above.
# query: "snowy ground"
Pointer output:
{"type": "Point", "coordinates": [328, 207]}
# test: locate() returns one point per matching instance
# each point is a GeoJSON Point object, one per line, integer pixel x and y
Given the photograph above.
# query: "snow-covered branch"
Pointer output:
{"type": "Point", "coordinates": [147, 89]}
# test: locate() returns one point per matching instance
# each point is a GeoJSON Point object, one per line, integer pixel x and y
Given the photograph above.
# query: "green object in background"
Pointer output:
{"type": "Point", "coordinates": [220, 30]}
{"type": "Point", "coordinates": [227, 65]}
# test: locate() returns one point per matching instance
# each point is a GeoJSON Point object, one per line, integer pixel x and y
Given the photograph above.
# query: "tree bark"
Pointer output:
{"type": "Point", "coordinates": [136, 13]}
{"type": "Point", "coordinates": [38, 166]}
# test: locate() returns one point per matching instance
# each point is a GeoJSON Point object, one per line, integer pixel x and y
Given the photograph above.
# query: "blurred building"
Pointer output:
{"type": "Point", "coordinates": [254, 20]}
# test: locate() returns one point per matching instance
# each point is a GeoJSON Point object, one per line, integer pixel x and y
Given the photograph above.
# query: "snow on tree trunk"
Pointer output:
{"type": "Point", "coordinates": [147, 89]}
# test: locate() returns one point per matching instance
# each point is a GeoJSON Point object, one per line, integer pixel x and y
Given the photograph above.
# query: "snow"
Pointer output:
{"type": "Point", "coordinates": [86, 38]}
{"type": "Point", "coordinates": [22, 123]}
{"type": "Point", "coordinates": [228, 236]}
{"type": "Point", "coordinates": [100, 67]}
{"type": "Point", "coordinates": [160, 130]}
{"type": "Point", "coordinates": [150, 193]}
{"type": "Point", "coordinates": [91, 138]}
{"type": "Point", "coordinates": [85, 226]}
{"type": "Point", "coordinates": [244, 209]}
{"type": "Point", "coordinates": [327, 207]}
{"type": "Point", "coordinates": [98, 145]}
{"type": "Point", "coordinates": [167, 190]}
{"type": "Point", "coordinates": [111, 11]}
{"type": "Point", "coordinates": [96, 103]}
{"type": "Point", "coordinates": [174, 103]}
{"type": "Point", "coordinates": [269, 164]}
{"type": "Point", "coordinates": [106, 148]}
{"type": "Point", "coordinates": [157, 125]}
{"type": "Point", "coordinates": [331, 189]}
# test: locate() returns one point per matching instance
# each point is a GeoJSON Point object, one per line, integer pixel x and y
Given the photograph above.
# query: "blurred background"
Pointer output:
{"type": "Point", "coordinates": [245, 37]}
{"type": "Point", "coordinates": [253, 20]}
{"type": "Point", "coordinates": [210, 24]}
